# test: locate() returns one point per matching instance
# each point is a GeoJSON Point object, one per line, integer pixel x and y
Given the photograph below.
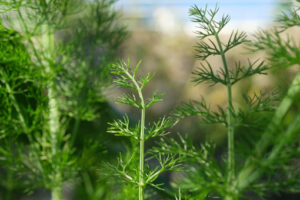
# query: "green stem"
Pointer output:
{"type": "Point", "coordinates": [230, 110]}
{"type": "Point", "coordinates": [56, 193]}
{"type": "Point", "coordinates": [53, 122]}
{"type": "Point", "coordinates": [142, 142]}
{"type": "Point", "coordinates": [53, 117]}
{"type": "Point", "coordinates": [250, 172]}
{"type": "Point", "coordinates": [54, 125]}
{"type": "Point", "coordinates": [141, 183]}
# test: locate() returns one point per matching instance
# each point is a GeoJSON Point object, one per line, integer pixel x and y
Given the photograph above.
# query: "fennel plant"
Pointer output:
{"type": "Point", "coordinates": [132, 165]}
{"type": "Point", "coordinates": [270, 150]}
{"type": "Point", "coordinates": [59, 85]}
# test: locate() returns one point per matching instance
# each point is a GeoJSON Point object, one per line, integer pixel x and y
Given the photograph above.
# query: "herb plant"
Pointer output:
{"type": "Point", "coordinates": [132, 166]}
{"type": "Point", "coordinates": [55, 57]}
{"type": "Point", "coordinates": [272, 149]}
{"type": "Point", "coordinates": [44, 96]}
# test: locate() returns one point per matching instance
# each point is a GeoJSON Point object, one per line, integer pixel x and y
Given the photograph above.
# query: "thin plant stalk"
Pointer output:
{"type": "Point", "coordinates": [53, 117]}
{"type": "Point", "coordinates": [142, 142]}
{"type": "Point", "coordinates": [230, 127]}
{"type": "Point", "coordinates": [211, 27]}
{"type": "Point", "coordinates": [142, 138]}
{"type": "Point", "coordinates": [126, 78]}
{"type": "Point", "coordinates": [230, 110]}
{"type": "Point", "coordinates": [56, 193]}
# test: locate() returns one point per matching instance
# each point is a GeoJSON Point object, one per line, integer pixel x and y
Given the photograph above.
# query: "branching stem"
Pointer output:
{"type": "Point", "coordinates": [53, 117]}
{"type": "Point", "coordinates": [230, 110]}
{"type": "Point", "coordinates": [141, 183]}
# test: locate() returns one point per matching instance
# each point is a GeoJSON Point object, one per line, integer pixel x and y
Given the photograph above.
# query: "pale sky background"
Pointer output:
{"type": "Point", "coordinates": [166, 15]}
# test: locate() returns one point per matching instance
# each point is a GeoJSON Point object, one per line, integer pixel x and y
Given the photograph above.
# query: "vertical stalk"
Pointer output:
{"type": "Point", "coordinates": [56, 193]}
{"type": "Point", "coordinates": [53, 118]}
{"type": "Point", "coordinates": [142, 142]}
{"type": "Point", "coordinates": [230, 110]}
{"type": "Point", "coordinates": [141, 183]}
{"type": "Point", "coordinates": [231, 194]}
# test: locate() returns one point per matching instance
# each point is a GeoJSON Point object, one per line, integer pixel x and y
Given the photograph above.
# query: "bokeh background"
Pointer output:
{"type": "Point", "coordinates": [163, 37]}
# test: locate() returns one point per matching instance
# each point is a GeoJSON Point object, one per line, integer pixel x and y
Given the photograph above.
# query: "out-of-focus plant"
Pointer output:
{"type": "Point", "coordinates": [277, 149]}
{"type": "Point", "coordinates": [265, 163]}
{"type": "Point", "coordinates": [132, 166]}
{"type": "Point", "coordinates": [48, 81]}
{"type": "Point", "coordinates": [15, 85]}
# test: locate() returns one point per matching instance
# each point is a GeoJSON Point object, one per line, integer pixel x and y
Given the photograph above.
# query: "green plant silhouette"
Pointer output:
{"type": "Point", "coordinates": [51, 81]}
{"type": "Point", "coordinates": [132, 165]}
{"type": "Point", "coordinates": [272, 150]}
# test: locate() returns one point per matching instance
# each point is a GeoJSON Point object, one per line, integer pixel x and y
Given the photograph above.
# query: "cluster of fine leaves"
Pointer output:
{"type": "Point", "coordinates": [50, 82]}
{"type": "Point", "coordinates": [128, 168]}
{"type": "Point", "coordinates": [240, 171]}
{"type": "Point", "coordinates": [20, 92]}
{"type": "Point", "coordinates": [274, 161]}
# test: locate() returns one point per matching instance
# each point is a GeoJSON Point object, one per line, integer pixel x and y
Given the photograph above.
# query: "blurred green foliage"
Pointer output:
{"type": "Point", "coordinates": [55, 60]}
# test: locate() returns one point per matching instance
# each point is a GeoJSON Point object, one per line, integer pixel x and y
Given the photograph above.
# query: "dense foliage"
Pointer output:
{"type": "Point", "coordinates": [50, 83]}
